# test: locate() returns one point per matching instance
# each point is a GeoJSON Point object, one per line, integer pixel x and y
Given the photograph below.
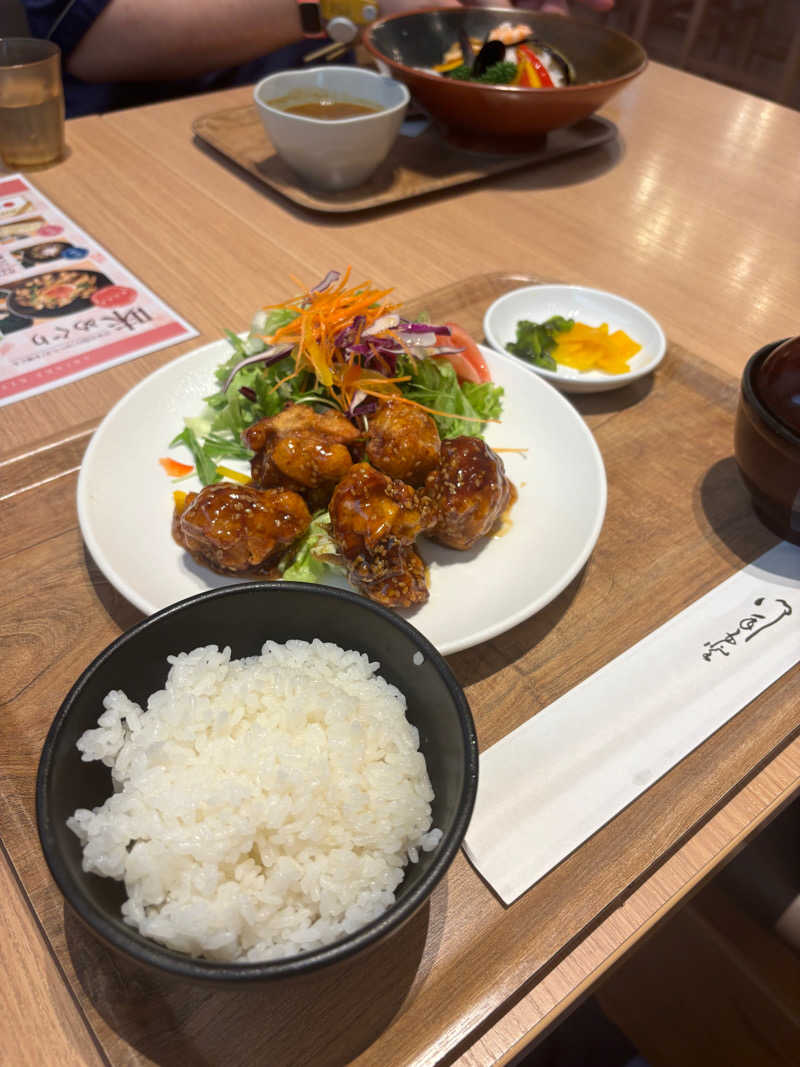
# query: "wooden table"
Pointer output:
{"type": "Point", "coordinates": [691, 213]}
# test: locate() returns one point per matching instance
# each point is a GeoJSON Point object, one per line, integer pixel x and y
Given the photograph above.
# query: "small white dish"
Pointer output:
{"type": "Point", "coordinates": [537, 303]}
{"type": "Point", "coordinates": [332, 154]}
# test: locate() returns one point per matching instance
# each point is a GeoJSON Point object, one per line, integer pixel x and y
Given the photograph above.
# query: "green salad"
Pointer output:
{"type": "Point", "coordinates": [340, 347]}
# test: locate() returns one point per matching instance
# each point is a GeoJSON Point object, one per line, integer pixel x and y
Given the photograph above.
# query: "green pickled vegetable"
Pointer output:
{"type": "Point", "coordinates": [536, 340]}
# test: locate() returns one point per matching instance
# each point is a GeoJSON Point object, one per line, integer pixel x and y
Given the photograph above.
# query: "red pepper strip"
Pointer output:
{"type": "Point", "coordinates": [175, 469]}
{"type": "Point", "coordinates": [541, 70]}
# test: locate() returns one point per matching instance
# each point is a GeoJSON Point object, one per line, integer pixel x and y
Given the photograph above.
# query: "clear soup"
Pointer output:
{"type": "Point", "coordinates": [324, 106]}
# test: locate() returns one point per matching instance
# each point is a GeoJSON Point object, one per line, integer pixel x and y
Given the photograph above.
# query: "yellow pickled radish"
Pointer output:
{"type": "Point", "coordinates": [586, 348]}
{"type": "Point", "coordinates": [234, 476]}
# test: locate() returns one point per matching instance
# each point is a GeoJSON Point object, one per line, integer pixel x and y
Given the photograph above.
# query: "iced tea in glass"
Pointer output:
{"type": "Point", "coordinates": [31, 102]}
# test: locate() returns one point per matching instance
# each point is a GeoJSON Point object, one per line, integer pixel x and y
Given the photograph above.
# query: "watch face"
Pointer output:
{"type": "Point", "coordinates": [310, 18]}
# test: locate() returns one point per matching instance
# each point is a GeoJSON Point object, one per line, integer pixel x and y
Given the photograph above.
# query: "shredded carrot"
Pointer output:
{"type": "Point", "coordinates": [321, 317]}
{"type": "Point", "coordinates": [287, 378]}
{"type": "Point", "coordinates": [381, 380]}
{"type": "Point", "coordinates": [431, 411]}
{"type": "Point", "coordinates": [519, 451]}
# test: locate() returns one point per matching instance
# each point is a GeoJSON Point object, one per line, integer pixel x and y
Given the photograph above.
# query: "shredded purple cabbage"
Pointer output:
{"type": "Point", "coordinates": [423, 327]}
{"type": "Point", "coordinates": [382, 359]}
{"type": "Point", "coordinates": [331, 277]}
{"type": "Point", "coordinates": [362, 408]}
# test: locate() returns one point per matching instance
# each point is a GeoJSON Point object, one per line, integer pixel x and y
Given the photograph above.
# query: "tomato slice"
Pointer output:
{"type": "Point", "coordinates": [469, 364]}
{"type": "Point", "coordinates": [465, 372]}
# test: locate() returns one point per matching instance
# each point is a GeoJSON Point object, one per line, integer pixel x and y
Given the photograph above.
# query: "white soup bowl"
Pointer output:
{"type": "Point", "coordinates": [332, 154]}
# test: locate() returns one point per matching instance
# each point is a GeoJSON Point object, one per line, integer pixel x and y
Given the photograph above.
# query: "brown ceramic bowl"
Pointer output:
{"type": "Point", "coordinates": [503, 118]}
{"type": "Point", "coordinates": [768, 456]}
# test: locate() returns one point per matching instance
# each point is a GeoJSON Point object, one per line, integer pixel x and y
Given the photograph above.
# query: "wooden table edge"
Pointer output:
{"type": "Point", "coordinates": [25, 925]}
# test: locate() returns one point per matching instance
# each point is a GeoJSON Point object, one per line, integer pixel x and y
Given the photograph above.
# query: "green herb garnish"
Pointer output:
{"type": "Point", "coordinates": [206, 467]}
{"type": "Point", "coordinates": [502, 73]}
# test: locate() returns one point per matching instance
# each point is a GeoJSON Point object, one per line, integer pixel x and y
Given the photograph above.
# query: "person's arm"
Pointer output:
{"type": "Point", "coordinates": [155, 40]}
{"type": "Point", "coordinates": [144, 40]}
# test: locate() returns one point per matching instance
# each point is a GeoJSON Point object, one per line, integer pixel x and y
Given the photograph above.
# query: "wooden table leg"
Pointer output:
{"type": "Point", "coordinates": [692, 30]}
{"type": "Point", "coordinates": [791, 68]}
{"type": "Point", "coordinates": [642, 20]}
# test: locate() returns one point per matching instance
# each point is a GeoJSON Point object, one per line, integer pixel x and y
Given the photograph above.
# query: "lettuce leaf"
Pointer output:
{"type": "Point", "coordinates": [486, 398]}
{"type": "Point", "coordinates": [315, 556]}
{"type": "Point", "coordinates": [435, 384]}
{"type": "Point", "coordinates": [278, 317]}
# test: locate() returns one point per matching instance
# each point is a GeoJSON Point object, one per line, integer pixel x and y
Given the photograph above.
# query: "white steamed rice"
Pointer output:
{"type": "Point", "coordinates": [263, 807]}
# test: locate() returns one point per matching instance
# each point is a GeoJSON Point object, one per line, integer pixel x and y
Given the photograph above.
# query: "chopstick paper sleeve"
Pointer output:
{"type": "Point", "coordinates": [554, 781]}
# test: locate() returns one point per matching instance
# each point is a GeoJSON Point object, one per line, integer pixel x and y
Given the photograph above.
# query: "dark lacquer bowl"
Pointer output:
{"type": "Point", "coordinates": [768, 455]}
{"type": "Point", "coordinates": [244, 617]}
{"type": "Point", "coordinates": [503, 118]}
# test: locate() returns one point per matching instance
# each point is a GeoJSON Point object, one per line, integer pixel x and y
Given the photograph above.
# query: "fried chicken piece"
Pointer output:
{"type": "Point", "coordinates": [300, 449]}
{"type": "Point", "coordinates": [370, 511]}
{"type": "Point", "coordinates": [403, 442]}
{"type": "Point", "coordinates": [238, 529]}
{"type": "Point", "coordinates": [310, 460]}
{"type": "Point", "coordinates": [396, 579]}
{"type": "Point", "coordinates": [469, 492]}
{"type": "Point", "coordinates": [296, 417]}
{"type": "Point", "coordinates": [374, 523]}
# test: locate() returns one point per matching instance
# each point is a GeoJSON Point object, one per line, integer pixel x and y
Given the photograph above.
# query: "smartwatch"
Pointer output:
{"type": "Point", "coordinates": [310, 18]}
{"type": "Point", "coordinates": [338, 19]}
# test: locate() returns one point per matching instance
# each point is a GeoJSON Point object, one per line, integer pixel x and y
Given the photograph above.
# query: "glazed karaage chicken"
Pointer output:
{"type": "Point", "coordinates": [469, 492]}
{"type": "Point", "coordinates": [305, 462]}
{"type": "Point", "coordinates": [301, 450]}
{"type": "Point", "coordinates": [375, 521]}
{"type": "Point", "coordinates": [403, 442]}
{"type": "Point", "coordinates": [238, 529]}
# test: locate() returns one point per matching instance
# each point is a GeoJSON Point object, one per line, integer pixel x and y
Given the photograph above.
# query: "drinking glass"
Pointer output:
{"type": "Point", "coordinates": [31, 102]}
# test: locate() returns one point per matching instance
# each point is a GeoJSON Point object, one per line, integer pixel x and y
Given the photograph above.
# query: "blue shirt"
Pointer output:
{"type": "Point", "coordinates": [87, 98]}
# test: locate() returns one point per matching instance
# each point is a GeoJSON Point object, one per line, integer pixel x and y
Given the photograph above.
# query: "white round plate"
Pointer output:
{"type": "Point", "coordinates": [125, 504]}
{"type": "Point", "coordinates": [537, 303]}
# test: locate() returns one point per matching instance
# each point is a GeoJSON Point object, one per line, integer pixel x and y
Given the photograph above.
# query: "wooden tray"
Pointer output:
{"type": "Point", "coordinates": [415, 166]}
{"type": "Point", "coordinates": [678, 523]}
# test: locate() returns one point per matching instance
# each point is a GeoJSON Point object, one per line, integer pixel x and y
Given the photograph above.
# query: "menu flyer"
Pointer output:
{"type": "Point", "coordinates": [67, 308]}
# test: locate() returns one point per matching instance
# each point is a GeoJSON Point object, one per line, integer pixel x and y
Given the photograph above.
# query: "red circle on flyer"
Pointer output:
{"type": "Point", "coordinates": [50, 230]}
{"type": "Point", "coordinates": [114, 296]}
